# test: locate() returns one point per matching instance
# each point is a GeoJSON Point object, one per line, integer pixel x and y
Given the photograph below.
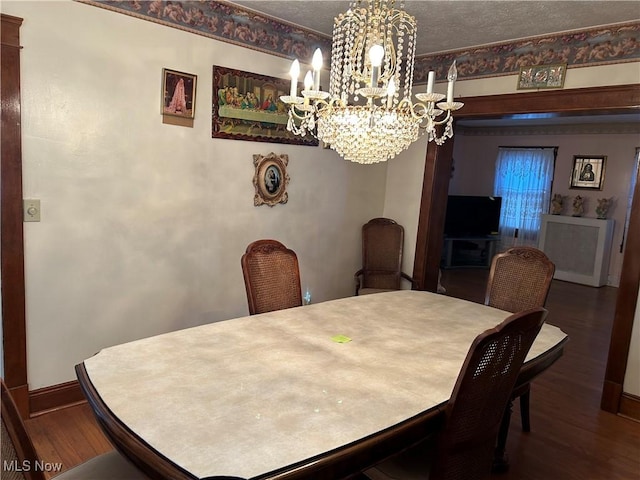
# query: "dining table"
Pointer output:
{"type": "Point", "coordinates": [321, 391]}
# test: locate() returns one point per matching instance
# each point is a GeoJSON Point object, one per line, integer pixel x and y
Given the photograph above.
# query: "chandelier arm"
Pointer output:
{"type": "Point", "coordinates": [443, 121]}
{"type": "Point", "coordinates": [294, 111]}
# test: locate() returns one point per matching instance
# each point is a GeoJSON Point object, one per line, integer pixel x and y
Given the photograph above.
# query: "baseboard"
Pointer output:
{"type": "Point", "coordinates": [55, 397]}
{"type": "Point", "coordinates": [630, 406]}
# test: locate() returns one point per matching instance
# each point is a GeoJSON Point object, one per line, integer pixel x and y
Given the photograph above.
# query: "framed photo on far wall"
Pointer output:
{"type": "Point", "coordinates": [178, 93]}
{"type": "Point", "coordinates": [588, 172]}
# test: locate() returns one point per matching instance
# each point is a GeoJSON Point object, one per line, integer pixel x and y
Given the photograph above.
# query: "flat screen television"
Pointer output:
{"type": "Point", "coordinates": [472, 216]}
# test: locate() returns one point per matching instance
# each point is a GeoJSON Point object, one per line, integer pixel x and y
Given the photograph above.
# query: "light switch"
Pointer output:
{"type": "Point", "coordinates": [31, 210]}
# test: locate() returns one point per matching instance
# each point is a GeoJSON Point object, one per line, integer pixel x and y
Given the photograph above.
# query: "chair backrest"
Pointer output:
{"type": "Point", "coordinates": [519, 279]}
{"type": "Point", "coordinates": [481, 395]}
{"type": "Point", "coordinates": [18, 453]}
{"type": "Point", "coordinates": [271, 277]}
{"type": "Point", "coordinates": [382, 242]}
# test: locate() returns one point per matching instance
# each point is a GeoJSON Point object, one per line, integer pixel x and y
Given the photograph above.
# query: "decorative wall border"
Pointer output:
{"type": "Point", "coordinates": [580, 48]}
{"type": "Point", "coordinates": [618, 43]}
{"type": "Point", "coordinates": [225, 22]}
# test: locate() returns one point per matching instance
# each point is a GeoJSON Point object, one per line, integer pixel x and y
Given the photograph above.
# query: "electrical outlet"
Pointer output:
{"type": "Point", "coordinates": [31, 210]}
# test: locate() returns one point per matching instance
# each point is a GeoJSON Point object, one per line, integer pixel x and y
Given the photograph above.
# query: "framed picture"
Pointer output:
{"type": "Point", "coordinates": [542, 76]}
{"type": "Point", "coordinates": [178, 93]}
{"type": "Point", "coordinates": [588, 172]}
{"type": "Point", "coordinates": [271, 179]}
{"type": "Point", "coordinates": [247, 106]}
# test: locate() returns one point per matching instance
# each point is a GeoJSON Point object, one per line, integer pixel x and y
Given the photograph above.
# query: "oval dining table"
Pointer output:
{"type": "Point", "coordinates": [321, 391]}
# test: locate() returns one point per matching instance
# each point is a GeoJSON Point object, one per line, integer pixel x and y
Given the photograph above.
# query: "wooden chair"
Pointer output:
{"type": "Point", "coordinates": [519, 279]}
{"type": "Point", "coordinates": [382, 243]}
{"type": "Point", "coordinates": [271, 277]}
{"type": "Point", "coordinates": [464, 447]}
{"type": "Point", "coordinates": [20, 460]}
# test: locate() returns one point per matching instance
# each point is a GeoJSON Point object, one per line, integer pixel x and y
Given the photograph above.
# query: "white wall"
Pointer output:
{"type": "Point", "coordinates": [404, 184]}
{"type": "Point", "coordinates": [143, 224]}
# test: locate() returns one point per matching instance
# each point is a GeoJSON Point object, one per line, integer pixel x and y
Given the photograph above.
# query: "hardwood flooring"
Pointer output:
{"type": "Point", "coordinates": [570, 438]}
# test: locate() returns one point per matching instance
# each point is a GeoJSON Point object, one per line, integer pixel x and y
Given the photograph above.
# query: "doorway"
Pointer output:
{"type": "Point", "coordinates": [618, 99]}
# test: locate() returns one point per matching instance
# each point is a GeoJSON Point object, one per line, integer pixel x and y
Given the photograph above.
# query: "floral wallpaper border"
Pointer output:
{"type": "Point", "coordinates": [230, 23]}
{"type": "Point", "coordinates": [585, 48]}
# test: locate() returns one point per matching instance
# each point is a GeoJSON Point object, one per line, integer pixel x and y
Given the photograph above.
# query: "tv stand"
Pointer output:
{"type": "Point", "coordinates": [469, 251]}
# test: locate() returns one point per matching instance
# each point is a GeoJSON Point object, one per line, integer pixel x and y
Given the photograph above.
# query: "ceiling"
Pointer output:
{"type": "Point", "coordinates": [445, 25]}
{"type": "Point", "coordinates": [456, 24]}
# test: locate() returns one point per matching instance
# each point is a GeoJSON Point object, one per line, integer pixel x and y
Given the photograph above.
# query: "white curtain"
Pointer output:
{"type": "Point", "coordinates": [523, 180]}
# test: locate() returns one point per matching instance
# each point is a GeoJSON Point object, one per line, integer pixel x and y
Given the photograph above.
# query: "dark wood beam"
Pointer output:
{"type": "Point", "coordinates": [12, 244]}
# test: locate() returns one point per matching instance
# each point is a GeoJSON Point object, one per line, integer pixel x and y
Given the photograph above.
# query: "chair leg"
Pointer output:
{"type": "Point", "coordinates": [524, 410]}
{"type": "Point", "coordinates": [500, 459]}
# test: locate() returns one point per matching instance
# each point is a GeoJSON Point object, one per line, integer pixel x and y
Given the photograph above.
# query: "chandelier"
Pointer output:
{"type": "Point", "coordinates": [367, 116]}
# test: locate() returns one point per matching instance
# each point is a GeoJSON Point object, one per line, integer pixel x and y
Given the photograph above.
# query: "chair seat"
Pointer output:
{"type": "Point", "coordinates": [412, 464]}
{"type": "Point", "coordinates": [109, 466]}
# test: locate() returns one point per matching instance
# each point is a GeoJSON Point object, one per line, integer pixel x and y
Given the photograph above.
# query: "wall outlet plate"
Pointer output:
{"type": "Point", "coordinates": [31, 210]}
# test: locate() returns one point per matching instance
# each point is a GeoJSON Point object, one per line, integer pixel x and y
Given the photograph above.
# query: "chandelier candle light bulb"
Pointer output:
{"type": "Point", "coordinates": [376, 54]}
{"type": "Point", "coordinates": [452, 76]}
{"type": "Point", "coordinates": [367, 115]}
{"type": "Point", "coordinates": [308, 81]}
{"type": "Point", "coordinates": [316, 63]}
{"type": "Point", "coordinates": [391, 91]}
{"type": "Point", "coordinates": [431, 79]}
{"type": "Point", "coordinates": [295, 73]}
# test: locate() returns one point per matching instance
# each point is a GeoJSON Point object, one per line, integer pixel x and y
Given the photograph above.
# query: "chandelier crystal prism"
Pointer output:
{"type": "Point", "coordinates": [367, 116]}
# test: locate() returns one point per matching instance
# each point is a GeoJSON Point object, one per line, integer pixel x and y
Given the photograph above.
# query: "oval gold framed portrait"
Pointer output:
{"type": "Point", "coordinates": [270, 179]}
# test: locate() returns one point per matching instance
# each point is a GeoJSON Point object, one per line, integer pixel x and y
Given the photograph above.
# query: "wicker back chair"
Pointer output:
{"type": "Point", "coordinates": [20, 460]}
{"type": "Point", "coordinates": [382, 243]}
{"type": "Point", "coordinates": [519, 279]}
{"type": "Point", "coordinates": [271, 277]}
{"type": "Point", "coordinates": [465, 446]}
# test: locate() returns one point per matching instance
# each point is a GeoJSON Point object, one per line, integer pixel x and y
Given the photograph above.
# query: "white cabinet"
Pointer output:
{"type": "Point", "coordinates": [580, 247]}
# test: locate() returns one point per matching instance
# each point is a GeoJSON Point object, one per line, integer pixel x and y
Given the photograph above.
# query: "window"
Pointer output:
{"type": "Point", "coordinates": [523, 179]}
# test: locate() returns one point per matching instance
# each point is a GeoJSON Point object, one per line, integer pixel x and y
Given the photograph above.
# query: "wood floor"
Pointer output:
{"type": "Point", "coordinates": [571, 437]}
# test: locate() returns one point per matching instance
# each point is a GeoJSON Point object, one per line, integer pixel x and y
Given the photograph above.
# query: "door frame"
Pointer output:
{"type": "Point", "coordinates": [14, 339]}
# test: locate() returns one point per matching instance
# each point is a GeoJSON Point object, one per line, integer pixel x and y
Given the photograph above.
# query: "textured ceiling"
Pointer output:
{"type": "Point", "coordinates": [457, 24]}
